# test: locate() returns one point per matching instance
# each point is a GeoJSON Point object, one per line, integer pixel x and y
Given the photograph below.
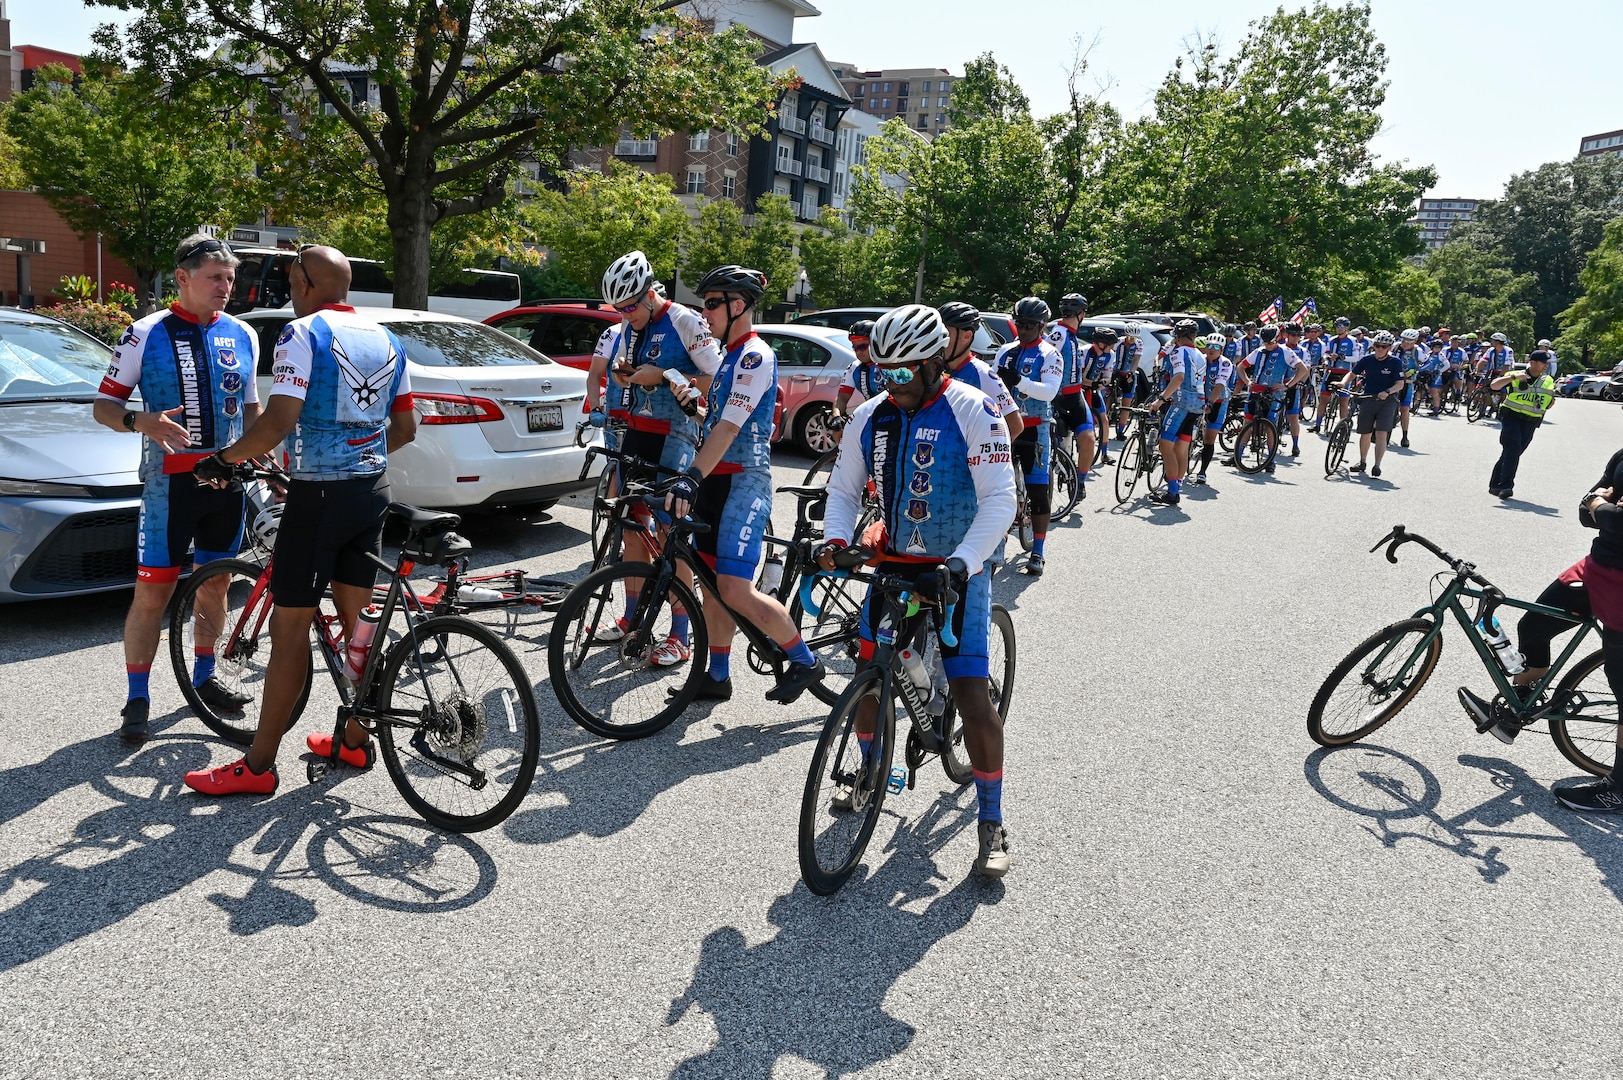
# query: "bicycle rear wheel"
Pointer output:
{"type": "Point", "coordinates": [1128, 462]}
{"type": "Point", "coordinates": [223, 610]}
{"type": "Point", "coordinates": [610, 685]}
{"type": "Point", "coordinates": [1310, 403]}
{"type": "Point", "coordinates": [1065, 490]}
{"type": "Point", "coordinates": [1476, 407]}
{"type": "Point", "coordinates": [1363, 691]}
{"type": "Point", "coordinates": [1587, 736]}
{"type": "Point", "coordinates": [468, 707]}
{"type": "Point", "coordinates": [1254, 447]}
{"type": "Point", "coordinates": [845, 787]}
{"type": "Point", "coordinates": [1336, 451]}
{"type": "Point", "coordinates": [822, 469]}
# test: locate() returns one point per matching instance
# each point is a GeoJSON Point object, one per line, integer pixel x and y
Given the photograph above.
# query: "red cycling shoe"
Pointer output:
{"type": "Point", "coordinates": [362, 757]}
{"type": "Point", "coordinates": [233, 779]}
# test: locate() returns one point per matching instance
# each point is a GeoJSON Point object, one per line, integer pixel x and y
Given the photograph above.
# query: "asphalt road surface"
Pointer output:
{"type": "Point", "coordinates": [1197, 890]}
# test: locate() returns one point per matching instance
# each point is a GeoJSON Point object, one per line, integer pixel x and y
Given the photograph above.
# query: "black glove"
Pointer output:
{"type": "Point", "coordinates": [955, 578]}
{"type": "Point", "coordinates": [214, 467]}
{"type": "Point", "coordinates": [1010, 374]}
{"type": "Point", "coordinates": [684, 487]}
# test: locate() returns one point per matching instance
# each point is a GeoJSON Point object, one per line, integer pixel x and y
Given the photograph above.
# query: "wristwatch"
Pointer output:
{"type": "Point", "coordinates": [129, 421]}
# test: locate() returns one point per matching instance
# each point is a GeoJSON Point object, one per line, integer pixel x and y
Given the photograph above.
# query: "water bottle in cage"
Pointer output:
{"type": "Point", "coordinates": [938, 683]}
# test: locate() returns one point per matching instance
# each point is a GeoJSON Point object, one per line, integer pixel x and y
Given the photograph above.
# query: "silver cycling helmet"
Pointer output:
{"type": "Point", "coordinates": [908, 335]}
{"type": "Point", "coordinates": [1500, 338]}
{"type": "Point", "coordinates": [1132, 330]}
{"type": "Point", "coordinates": [1545, 343]}
{"type": "Point", "coordinates": [628, 278]}
{"type": "Point", "coordinates": [1411, 335]}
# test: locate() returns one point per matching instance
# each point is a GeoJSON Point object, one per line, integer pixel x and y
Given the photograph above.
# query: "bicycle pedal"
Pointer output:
{"type": "Point", "coordinates": [897, 781]}
{"type": "Point", "coordinates": [316, 771]}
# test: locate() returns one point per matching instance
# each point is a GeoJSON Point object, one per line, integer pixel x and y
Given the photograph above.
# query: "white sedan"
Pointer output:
{"type": "Point", "coordinates": [496, 418]}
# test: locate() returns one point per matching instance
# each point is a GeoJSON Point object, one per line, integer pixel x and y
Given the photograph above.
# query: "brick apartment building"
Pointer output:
{"type": "Point", "coordinates": [920, 96]}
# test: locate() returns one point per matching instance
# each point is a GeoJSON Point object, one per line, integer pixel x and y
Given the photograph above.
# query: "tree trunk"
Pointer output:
{"type": "Point", "coordinates": [411, 218]}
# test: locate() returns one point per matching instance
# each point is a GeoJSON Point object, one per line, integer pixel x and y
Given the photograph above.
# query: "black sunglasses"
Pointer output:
{"type": "Point", "coordinates": [298, 260]}
{"type": "Point", "coordinates": [714, 302]}
{"type": "Point", "coordinates": [202, 247]}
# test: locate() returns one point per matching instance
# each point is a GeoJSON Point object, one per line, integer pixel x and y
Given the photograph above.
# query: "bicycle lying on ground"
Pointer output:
{"type": "Point", "coordinates": [846, 784]}
{"type": "Point", "coordinates": [1384, 673]}
{"type": "Point", "coordinates": [453, 713]}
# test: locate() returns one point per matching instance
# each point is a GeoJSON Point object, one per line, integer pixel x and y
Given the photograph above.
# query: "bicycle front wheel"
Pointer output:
{"type": "Point", "coordinates": [1366, 689]}
{"type": "Point", "coordinates": [1065, 491]}
{"type": "Point", "coordinates": [1254, 446]}
{"type": "Point", "coordinates": [833, 633]}
{"type": "Point", "coordinates": [223, 610]}
{"type": "Point", "coordinates": [1129, 462]}
{"type": "Point", "coordinates": [846, 785]}
{"type": "Point", "coordinates": [605, 674]}
{"type": "Point", "coordinates": [1477, 406]}
{"type": "Point", "coordinates": [1586, 733]}
{"type": "Point", "coordinates": [459, 731]}
{"type": "Point", "coordinates": [1336, 451]}
{"type": "Point", "coordinates": [822, 469]}
{"type": "Point", "coordinates": [1000, 667]}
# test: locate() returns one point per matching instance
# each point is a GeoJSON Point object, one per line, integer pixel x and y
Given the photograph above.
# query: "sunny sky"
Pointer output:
{"type": "Point", "coordinates": [1481, 90]}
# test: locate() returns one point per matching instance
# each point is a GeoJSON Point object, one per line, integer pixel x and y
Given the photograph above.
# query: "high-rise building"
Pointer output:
{"type": "Point", "coordinates": [920, 96]}
{"type": "Point", "coordinates": [10, 69]}
{"type": "Point", "coordinates": [1607, 142]}
{"type": "Point", "coordinates": [1436, 217]}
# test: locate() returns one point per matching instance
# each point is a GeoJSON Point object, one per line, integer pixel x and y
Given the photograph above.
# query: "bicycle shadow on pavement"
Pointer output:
{"type": "Point", "coordinates": [598, 787]}
{"type": "Point", "coordinates": [1400, 798]}
{"type": "Point", "coordinates": [157, 838]}
{"type": "Point", "coordinates": [816, 990]}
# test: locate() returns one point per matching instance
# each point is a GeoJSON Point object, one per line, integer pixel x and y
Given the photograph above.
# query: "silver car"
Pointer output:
{"type": "Point", "coordinates": [812, 360]}
{"type": "Point", "coordinates": [69, 492]}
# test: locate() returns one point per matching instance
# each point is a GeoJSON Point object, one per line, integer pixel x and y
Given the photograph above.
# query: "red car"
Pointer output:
{"type": "Point", "coordinates": [565, 330]}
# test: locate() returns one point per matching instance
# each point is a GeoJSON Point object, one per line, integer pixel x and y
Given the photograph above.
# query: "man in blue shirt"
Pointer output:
{"type": "Point", "coordinates": [1381, 373]}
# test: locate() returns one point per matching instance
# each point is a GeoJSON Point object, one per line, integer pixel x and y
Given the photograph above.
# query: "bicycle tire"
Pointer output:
{"type": "Point", "coordinates": [833, 634]}
{"type": "Point", "coordinates": [1336, 451]}
{"type": "Point", "coordinates": [1476, 407]}
{"type": "Point", "coordinates": [241, 655]}
{"type": "Point", "coordinates": [1319, 729]}
{"type": "Point", "coordinates": [600, 496]}
{"type": "Point", "coordinates": [1000, 667]}
{"type": "Point", "coordinates": [1310, 404]}
{"type": "Point", "coordinates": [831, 843]}
{"type": "Point", "coordinates": [1128, 461]}
{"type": "Point", "coordinates": [1231, 429]}
{"type": "Point", "coordinates": [461, 697]}
{"type": "Point", "coordinates": [1155, 472]}
{"type": "Point", "coordinates": [611, 688]}
{"type": "Point", "coordinates": [1255, 446]}
{"type": "Point", "coordinates": [822, 469]}
{"type": "Point", "coordinates": [1588, 740]}
{"type": "Point", "coordinates": [1065, 489]}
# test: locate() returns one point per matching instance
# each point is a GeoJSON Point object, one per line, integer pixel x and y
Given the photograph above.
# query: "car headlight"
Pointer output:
{"type": "Point", "coordinates": [45, 488]}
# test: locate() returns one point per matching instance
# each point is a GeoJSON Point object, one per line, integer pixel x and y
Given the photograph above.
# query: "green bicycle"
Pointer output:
{"type": "Point", "coordinates": [1384, 673]}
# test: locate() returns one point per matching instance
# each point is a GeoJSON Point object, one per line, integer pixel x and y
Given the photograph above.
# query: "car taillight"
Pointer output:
{"type": "Point", "coordinates": [454, 408]}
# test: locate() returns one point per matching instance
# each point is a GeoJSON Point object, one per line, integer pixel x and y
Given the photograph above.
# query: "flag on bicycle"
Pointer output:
{"type": "Point", "coordinates": [1306, 309]}
{"type": "Point", "coordinates": [1271, 312]}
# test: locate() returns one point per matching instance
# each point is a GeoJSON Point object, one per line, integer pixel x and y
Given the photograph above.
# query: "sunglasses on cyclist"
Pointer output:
{"type": "Point", "coordinates": [714, 302]}
{"type": "Point", "coordinates": [202, 247]}
{"type": "Point", "coordinates": [900, 375]}
{"type": "Point", "coordinates": [859, 343]}
{"type": "Point", "coordinates": [629, 308]}
{"type": "Point", "coordinates": [298, 260]}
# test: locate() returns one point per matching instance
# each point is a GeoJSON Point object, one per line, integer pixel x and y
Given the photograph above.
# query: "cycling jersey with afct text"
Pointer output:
{"type": "Point", "coordinates": [745, 392]}
{"type": "Point", "coordinates": [1032, 372]}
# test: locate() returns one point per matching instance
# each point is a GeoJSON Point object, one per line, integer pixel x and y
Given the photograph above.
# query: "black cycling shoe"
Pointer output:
{"type": "Point", "coordinates": [219, 699]}
{"type": "Point", "coordinates": [1405, 442]}
{"type": "Point", "coordinates": [134, 728]}
{"type": "Point", "coordinates": [1360, 467]}
{"type": "Point", "coordinates": [1165, 499]}
{"type": "Point", "coordinates": [795, 680]}
{"type": "Point", "coordinates": [709, 689]}
{"type": "Point", "coordinates": [1375, 470]}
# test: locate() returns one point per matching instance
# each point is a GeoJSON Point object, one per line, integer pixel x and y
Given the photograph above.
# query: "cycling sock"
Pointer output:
{"type": "Point", "coordinates": [799, 653]}
{"type": "Point", "coordinates": [202, 667]}
{"type": "Point", "coordinates": [1206, 457]}
{"type": "Point", "coordinates": [865, 743]}
{"type": "Point", "coordinates": [631, 606]}
{"type": "Point", "coordinates": [1174, 487]}
{"type": "Point", "coordinates": [1037, 543]}
{"type": "Point", "coordinates": [1081, 476]}
{"type": "Point", "coordinates": [679, 626]}
{"type": "Point", "coordinates": [989, 793]}
{"type": "Point", "coordinates": [721, 662]}
{"type": "Point", "coordinates": [138, 674]}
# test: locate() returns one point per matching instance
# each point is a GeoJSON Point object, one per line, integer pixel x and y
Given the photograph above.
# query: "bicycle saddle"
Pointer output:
{"type": "Point", "coordinates": [424, 521]}
{"type": "Point", "coordinates": [805, 491]}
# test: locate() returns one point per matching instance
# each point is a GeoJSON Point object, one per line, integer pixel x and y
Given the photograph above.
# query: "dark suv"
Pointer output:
{"type": "Point", "coordinates": [565, 329]}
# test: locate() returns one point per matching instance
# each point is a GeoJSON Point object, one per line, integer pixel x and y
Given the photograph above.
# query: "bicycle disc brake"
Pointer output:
{"type": "Point", "coordinates": [457, 725]}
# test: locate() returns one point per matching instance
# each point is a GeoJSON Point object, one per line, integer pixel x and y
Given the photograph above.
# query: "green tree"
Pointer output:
{"type": "Point", "coordinates": [764, 241]}
{"type": "Point", "coordinates": [119, 156]}
{"type": "Point", "coordinates": [1545, 225]}
{"type": "Point", "coordinates": [458, 92]}
{"type": "Point", "coordinates": [603, 216]}
{"type": "Point", "coordinates": [1407, 295]}
{"type": "Point", "coordinates": [1480, 294]}
{"type": "Point", "coordinates": [850, 267]}
{"type": "Point", "coordinates": [12, 177]}
{"type": "Point", "coordinates": [1592, 328]}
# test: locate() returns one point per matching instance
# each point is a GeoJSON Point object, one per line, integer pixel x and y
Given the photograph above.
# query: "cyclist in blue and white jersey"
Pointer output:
{"type": "Point", "coordinates": [194, 366]}
{"type": "Point", "coordinates": [340, 401]}
{"type": "Point", "coordinates": [1497, 358]}
{"type": "Point", "coordinates": [1299, 386]}
{"type": "Point", "coordinates": [1548, 347]}
{"type": "Point", "coordinates": [1030, 367]}
{"type": "Point", "coordinates": [1269, 371]}
{"type": "Point", "coordinates": [1456, 359]}
{"type": "Point", "coordinates": [1250, 341]}
{"type": "Point", "coordinates": [1433, 373]}
{"type": "Point", "coordinates": [1219, 385]}
{"type": "Point", "coordinates": [1069, 407]}
{"type": "Point", "coordinates": [861, 377]}
{"type": "Point", "coordinates": [1132, 385]}
{"type": "Point", "coordinates": [1183, 394]}
{"type": "Point", "coordinates": [962, 320]}
{"type": "Point", "coordinates": [938, 454]}
{"type": "Point", "coordinates": [665, 361]}
{"type": "Point", "coordinates": [1341, 352]}
{"type": "Point", "coordinates": [1098, 365]}
{"type": "Point", "coordinates": [1411, 355]}
{"type": "Point", "coordinates": [607, 406]}
{"type": "Point", "coordinates": [729, 486]}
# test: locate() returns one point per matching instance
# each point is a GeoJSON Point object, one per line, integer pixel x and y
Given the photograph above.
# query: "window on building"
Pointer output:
{"type": "Point", "coordinates": [732, 144]}
{"type": "Point", "coordinates": [839, 183]}
{"type": "Point", "coordinates": [874, 89]}
{"type": "Point", "coordinates": [926, 86]}
{"type": "Point", "coordinates": [696, 180]}
{"type": "Point", "coordinates": [729, 186]}
{"type": "Point", "coordinates": [924, 122]}
{"type": "Point", "coordinates": [887, 88]}
{"type": "Point", "coordinates": [781, 188]}
{"type": "Point", "coordinates": [941, 103]}
{"type": "Point", "coordinates": [840, 141]}
{"type": "Point", "coordinates": [940, 118]}
{"type": "Point", "coordinates": [699, 141]}
{"type": "Point", "coordinates": [785, 153]}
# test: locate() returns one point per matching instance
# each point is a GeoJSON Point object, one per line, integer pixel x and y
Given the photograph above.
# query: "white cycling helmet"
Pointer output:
{"type": "Point", "coordinates": [1411, 335]}
{"type": "Point", "coordinates": [628, 278]}
{"type": "Point", "coordinates": [1500, 338]}
{"type": "Point", "coordinates": [265, 524]}
{"type": "Point", "coordinates": [1132, 330]}
{"type": "Point", "coordinates": [907, 335]}
{"type": "Point", "coordinates": [1544, 343]}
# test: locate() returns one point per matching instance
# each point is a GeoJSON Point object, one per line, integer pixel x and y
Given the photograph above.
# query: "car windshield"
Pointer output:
{"type": "Point", "coordinates": [458, 344]}
{"type": "Point", "coordinates": [43, 362]}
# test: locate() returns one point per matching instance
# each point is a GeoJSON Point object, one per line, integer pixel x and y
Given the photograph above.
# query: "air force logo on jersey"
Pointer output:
{"type": "Point", "coordinates": [227, 358]}
{"type": "Point", "coordinates": [991, 408]}
{"type": "Point", "coordinates": [918, 510]}
{"type": "Point", "coordinates": [365, 388]}
{"type": "Point", "coordinates": [923, 455]}
{"type": "Point", "coordinates": [230, 406]}
{"type": "Point", "coordinates": [750, 360]}
{"type": "Point", "coordinates": [920, 484]}
{"type": "Point", "coordinates": [286, 335]}
{"type": "Point", "coordinates": [231, 382]}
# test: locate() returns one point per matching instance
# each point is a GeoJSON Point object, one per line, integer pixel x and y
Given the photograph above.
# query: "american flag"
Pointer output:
{"type": "Point", "coordinates": [1271, 312]}
{"type": "Point", "coordinates": [1302, 313]}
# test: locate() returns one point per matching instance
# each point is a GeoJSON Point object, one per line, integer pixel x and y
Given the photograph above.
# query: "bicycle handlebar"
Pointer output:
{"type": "Point", "coordinates": [1400, 536]}
{"type": "Point", "coordinates": [949, 596]}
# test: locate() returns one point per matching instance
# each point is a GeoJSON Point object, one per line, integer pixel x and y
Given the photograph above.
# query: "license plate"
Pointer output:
{"type": "Point", "coordinates": [546, 417]}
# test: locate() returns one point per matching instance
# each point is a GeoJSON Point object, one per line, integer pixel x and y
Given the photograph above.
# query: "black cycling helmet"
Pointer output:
{"type": "Point", "coordinates": [1294, 328]}
{"type": "Point", "coordinates": [958, 315]}
{"type": "Point", "coordinates": [1031, 308]}
{"type": "Point", "coordinates": [750, 284]}
{"type": "Point", "coordinates": [1185, 328]}
{"type": "Point", "coordinates": [1072, 304]}
{"type": "Point", "coordinates": [861, 328]}
{"type": "Point", "coordinates": [1104, 335]}
{"type": "Point", "coordinates": [1268, 333]}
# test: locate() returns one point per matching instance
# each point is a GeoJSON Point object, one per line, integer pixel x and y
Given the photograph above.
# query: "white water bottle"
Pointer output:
{"type": "Point", "coordinates": [772, 575]}
{"type": "Point", "coordinates": [360, 642]}
{"type": "Point", "coordinates": [913, 664]}
{"type": "Point", "coordinates": [477, 593]}
{"type": "Point", "coordinates": [1509, 659]}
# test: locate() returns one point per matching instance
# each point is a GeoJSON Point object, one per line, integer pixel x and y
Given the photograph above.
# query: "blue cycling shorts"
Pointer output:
{"type": "Point", "coordinates": [1408, 396]}
{"type": "Point", "coordinates": [179, 514]}
{"type": "Point", "coordinates": [1217, 413]}
{"type": "Point", "coordinates": [1178, 424]}
{"type": "Point", "coordinates": [971, 622]}
{"type": "Point", "coordinates": [737, 507]}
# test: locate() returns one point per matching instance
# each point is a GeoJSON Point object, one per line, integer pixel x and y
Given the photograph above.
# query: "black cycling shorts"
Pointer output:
{"type": "Point", "coordinates": [179, 513]}
{"type": "Point", "coordinates": [328, 529]}
{"type": "Point", "coordinates": [1072, 411]}
{"type": "Point", "coordinates": [1025, 459]}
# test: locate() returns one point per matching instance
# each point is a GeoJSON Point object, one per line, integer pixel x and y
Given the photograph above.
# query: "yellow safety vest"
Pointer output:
{"type": "Point", "coordinates": [1531, 398]}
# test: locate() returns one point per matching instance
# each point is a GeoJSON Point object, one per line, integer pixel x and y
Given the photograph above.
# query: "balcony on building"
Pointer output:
{"type": "Point", "coordinates": [792, 124]}
{"type": "Point", "coordinates": [821, 134]}
{"type": "Point", "coordinates": [636, 148]}
{"type": "Point", "coordinates": [789, 166]}
{"type": "Point", "coordinates": [817, 174]}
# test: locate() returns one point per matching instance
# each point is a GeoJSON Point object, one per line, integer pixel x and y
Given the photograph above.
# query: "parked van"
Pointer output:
{"type": "Point", "coordinates": [473, 294]}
